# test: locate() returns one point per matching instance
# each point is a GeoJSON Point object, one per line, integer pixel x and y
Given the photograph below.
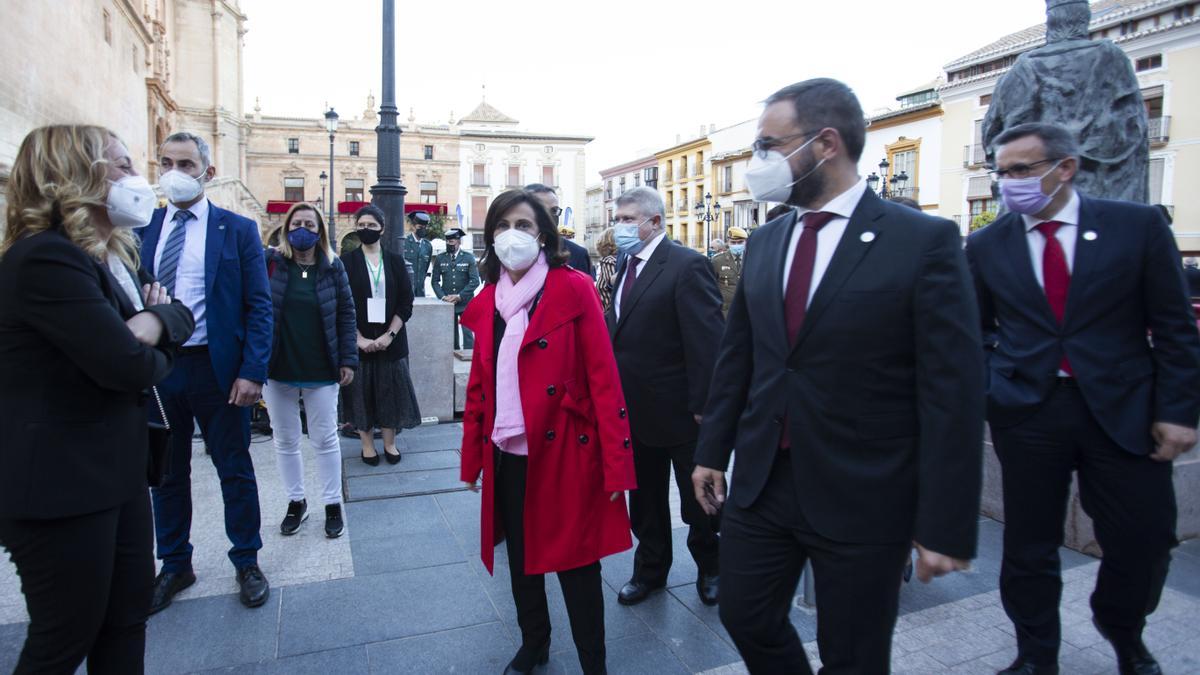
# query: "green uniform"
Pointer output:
{"type": "Point", "coordinates": [456, 274]}
{"type": "Point", "coordinates": [728, 268]}
{"type": "Point", "coordinates": [418, 253]}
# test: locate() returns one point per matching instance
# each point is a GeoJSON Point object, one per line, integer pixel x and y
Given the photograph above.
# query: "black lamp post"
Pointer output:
{"type": "Point", "coordinates": [324, 181]}
{"type": "Point", "coordinates": [704, 213]}
{"type": "Point", "coordinates": [331, 124]}
{"type": "Point", "coordinates": [388, 193]}
{"type": "Point", "coordinates": [888, 187]}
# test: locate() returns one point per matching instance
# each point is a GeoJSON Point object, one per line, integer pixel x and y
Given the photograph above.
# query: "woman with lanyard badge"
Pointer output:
{"type": "Point", "coordinates": [382, 396]}
{"type": "Point", "coordinates": [313, 354]}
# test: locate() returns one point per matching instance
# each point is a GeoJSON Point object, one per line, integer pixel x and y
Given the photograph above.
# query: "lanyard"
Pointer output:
{"type": "Point", "coordinates": [376, 272]}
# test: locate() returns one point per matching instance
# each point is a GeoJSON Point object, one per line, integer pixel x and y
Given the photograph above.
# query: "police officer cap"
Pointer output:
{"type": "Point", "coordinates": [455, 234]}
{"type": "Point", "coordinates": [736, 233]}
{"type": "Point", "coordinates": [419, 217]}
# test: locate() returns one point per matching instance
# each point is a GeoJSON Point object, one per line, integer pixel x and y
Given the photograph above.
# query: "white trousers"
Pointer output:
{"type": "Point", "coordinates": [320, 408]}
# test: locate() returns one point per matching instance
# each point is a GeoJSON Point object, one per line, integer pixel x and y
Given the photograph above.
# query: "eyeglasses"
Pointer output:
{"type": "Point", "coordinates": [555, 211]}
{"type": "Point", "coordinates": [1020, 170]}
{"type": "Point", "coordinates": [761, 146]}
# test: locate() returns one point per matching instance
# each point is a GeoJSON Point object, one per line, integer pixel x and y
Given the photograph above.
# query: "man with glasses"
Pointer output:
{"type": "Point", "coordinates": [580, 259]}
{"type": "Point", "coordinates": [1069, 288]}
{"type": "Point", "coordinates": [851, 386]}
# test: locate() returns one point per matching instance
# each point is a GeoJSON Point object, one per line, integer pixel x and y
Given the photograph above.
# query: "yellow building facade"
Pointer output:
{"type": "Point", "coordinates": [684, 179]}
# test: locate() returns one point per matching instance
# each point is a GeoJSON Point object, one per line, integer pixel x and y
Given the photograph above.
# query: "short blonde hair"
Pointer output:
{"type": "Point", "coordinates": [285, 247]}
{"type": "Point", "coordinates": [606, 245]}
{"type": "Point", "coordinates": [58, 180]}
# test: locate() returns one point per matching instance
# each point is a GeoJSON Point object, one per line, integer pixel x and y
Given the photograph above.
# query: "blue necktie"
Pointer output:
{"type": "Point", "coordinates": [168, 264]}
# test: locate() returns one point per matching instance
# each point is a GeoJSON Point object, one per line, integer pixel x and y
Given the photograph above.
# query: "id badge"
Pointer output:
{"type": "Point", "coordinates": [376, 310]}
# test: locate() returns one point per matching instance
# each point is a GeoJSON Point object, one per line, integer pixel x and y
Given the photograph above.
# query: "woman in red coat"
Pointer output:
{"type": "Point", "coordinates": [545, 423]}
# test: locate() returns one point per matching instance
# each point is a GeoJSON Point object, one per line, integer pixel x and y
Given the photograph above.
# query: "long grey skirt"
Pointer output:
{"type": "Point", "coordinates": [381, 396]}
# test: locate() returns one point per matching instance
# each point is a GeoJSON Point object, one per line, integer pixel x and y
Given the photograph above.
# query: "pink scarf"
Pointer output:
{"type": "Point", "coordinates": [513, 302]}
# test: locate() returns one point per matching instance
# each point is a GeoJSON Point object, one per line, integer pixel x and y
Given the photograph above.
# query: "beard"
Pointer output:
{"type": "Point", "coordinates": [809, 188]}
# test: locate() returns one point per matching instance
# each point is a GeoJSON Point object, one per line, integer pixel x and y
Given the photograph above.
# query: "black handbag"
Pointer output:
{"type": "Point", "coordinates": [159, 445]}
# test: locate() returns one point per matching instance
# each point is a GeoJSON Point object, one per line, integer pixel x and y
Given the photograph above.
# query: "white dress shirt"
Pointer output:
{"type": "Point", "coordinates": [189, 276]}
{"type": "Point", "coordinates": [643, 255]}
{"type": "Point", "coordinates": [828, 237]}
{"type": "Point", "coordinates": [1066, 235]}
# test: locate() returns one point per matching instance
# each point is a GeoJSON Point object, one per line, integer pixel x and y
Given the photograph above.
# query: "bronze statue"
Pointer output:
{"type": "Point", "coordinates": [1088, 87]}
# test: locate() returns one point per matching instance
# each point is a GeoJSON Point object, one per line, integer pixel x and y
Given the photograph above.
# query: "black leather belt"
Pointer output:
{"type": "Point", "coordinates": [193, 351]}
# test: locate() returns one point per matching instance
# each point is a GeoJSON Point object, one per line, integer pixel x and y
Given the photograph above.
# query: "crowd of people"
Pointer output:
{"type": "Point", "coordinates": [844, 356]}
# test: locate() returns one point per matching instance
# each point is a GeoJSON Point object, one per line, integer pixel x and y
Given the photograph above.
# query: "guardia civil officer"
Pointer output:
{"type": "Point", "coordinates": [455, 278]}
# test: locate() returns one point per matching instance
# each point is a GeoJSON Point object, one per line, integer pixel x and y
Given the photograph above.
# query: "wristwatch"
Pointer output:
{"type": "Point", "coordinates": [392, 333]}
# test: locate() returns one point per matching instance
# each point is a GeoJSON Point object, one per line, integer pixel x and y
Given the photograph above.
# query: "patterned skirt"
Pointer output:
{"type": "Point", "coordinates": [381, 397]}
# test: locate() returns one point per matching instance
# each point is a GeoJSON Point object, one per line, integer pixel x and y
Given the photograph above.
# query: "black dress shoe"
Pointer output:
{"type": "Point", "coordinates": [166, 585]}
{"type": "Point", "coordinates": [527, 660]}
{"type": "Point", "coordinates": [706, 586]}
{"type": "Point", "coordinates": [636, 591]}
{"type": "Point", "coordinates": [334, 525]}
{"type": "Point", "coordinates": [1132, 656]}
{"type": "Point", "coordinates": [392, 459]}
{"type": "Point", "coordinates": [371, 461]}
{"type": "Point", "coordinates": [1020, 667]}
{"type": "Point", "coordinates": [255, 589]}
{"type": "Point", "coordinates": [297, 512]}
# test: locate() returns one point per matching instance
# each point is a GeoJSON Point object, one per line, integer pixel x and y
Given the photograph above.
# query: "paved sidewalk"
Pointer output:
{"type": "Point", "coordinates": [404, 592]}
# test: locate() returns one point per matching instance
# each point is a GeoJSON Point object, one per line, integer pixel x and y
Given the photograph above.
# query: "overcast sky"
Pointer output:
{"type": "Point", "coordinates": [631, 74]}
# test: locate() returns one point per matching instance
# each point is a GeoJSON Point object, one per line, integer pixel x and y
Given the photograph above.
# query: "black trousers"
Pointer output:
{"type": "Point", "coordinates": [87, 582]}
{"type": "Point", "coordinates": [650, 513]}
{"type": "Point", "coordinates": [1130, 498]}
{"type": "Point", "coordinates": [581, 587]}
{"type": "Point", "coordinates": [763, 551]}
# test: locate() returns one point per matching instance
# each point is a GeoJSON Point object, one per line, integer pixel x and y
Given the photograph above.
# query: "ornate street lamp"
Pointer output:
{"type": "Point", "coordinates": [887, 186]}
{"type": "Point", "coordinates": [331, 125]}
{"type": "Point", "coordinates": [704, 213]}
{"type": "Point", "coordinates": [324, 181]}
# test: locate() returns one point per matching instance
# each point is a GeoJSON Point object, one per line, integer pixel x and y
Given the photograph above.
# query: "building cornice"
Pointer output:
{"type": "Point", "coordinates": [694, 144]}
{"type": "Point", "coordinates": [905, 116]}
{"type": "Point", "coordinates": [635, 165]}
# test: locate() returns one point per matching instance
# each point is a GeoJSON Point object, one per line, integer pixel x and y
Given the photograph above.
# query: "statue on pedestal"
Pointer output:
{"type": "Point", "coordinates": [1087, 86]}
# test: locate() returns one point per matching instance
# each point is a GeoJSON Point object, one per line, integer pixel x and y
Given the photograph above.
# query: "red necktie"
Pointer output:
{"type": "Point", "coordinates": [800, 279]}
{"type": "Point", "coordinates": [630, 277]}
{"type": "Point", "coordinates": [1056, 276]}
{"type": "Point", "coordinates": [795, 303]}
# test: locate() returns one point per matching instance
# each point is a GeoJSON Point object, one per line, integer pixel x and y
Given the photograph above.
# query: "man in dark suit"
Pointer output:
{"type": "Point", "coordinates": [852, 388]}
{"type": "Point", "coordinates": [1069, 286]}
{"type": "Point", "coordinates": [665, 324]}
{"type": "Point", "coordinates": [580, 259]}
{"type": "Point", "coordinates": [212, 261]}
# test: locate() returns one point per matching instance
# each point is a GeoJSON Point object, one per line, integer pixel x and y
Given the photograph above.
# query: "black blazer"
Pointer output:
{"type": "Point", "coordinates": [71, 382]}
{"type": "Point", "coordinates": [1125, 281]}
{"type": "Point", "coordinates": [882, 393]}
{"type": "Point", "coordinates": [399, 300]}
{"type": "Point", "coordinates": [580, 259]}
{"type": "Point", "coordinates": [666, 341]}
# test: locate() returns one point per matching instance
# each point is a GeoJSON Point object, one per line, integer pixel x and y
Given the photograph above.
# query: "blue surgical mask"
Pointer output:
{"type": "Point", "coordinates": [627, 238]}
{"type": "Point", "coordinates": [737, 249]}
{"type": "Point", "coordinates": [302, 238]}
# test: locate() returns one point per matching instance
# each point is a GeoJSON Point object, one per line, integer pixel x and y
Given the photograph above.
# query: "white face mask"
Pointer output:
{"type": "Point", "coordinates": [179, 187]}
{"type": "Point", "coordinates": [770, 179]}
{"type": "Point", "coordinates": [131, 202]}
{"type": "Point", "coordinates": [516, 250]}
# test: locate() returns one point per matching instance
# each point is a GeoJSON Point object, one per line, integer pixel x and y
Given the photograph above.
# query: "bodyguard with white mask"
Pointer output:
{"type": "Point", "coordinates": [545, 427]}
{"type": "Point", "coordinates": [211, 260]}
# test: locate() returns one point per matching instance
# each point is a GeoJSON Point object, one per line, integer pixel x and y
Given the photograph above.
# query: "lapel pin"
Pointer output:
{"type": "Point", "coordinates": [220, 227]}
{"type": "Point", "coordinates": [867, 237]}
{"type": "Point", "coordinates": [1090, 235]}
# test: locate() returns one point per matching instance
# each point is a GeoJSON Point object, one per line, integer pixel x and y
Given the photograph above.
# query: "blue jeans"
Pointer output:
{"type": "Point", "coordinates": [191, 391]}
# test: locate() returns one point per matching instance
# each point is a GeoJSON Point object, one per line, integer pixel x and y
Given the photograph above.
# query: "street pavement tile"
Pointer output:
{"type": "Point", "coordinates": [687, 596]}
{"type": "Point", "coordinates": [212, 632]}
{"type": "Point", "coordinates": [386, 518]}
{"type": "Point", "coordinates": [421, 439]}
{"type": "Point", "coordinates": [477, 649]}
{"type": "Point", "coordinates": [461, 511]}
{"type": "Point", "coordinates": [618, 569]}
{"type": "Point", "coordinates": [402, 484]}
{"type": "Point", "coordinates": [692, 641]}
{"type": "Point", "coordinates": [410, 461]}
{"type": "Point", "coordinates": [1185, 569]}
{"type": "Point", "coordinates": [410, 551]}
{"type": "Point", "coordinates": [12, 637]}
{"type": "Point", "coordinates": [381, 607]}
{"type": "Point", "coordinates": [346, 661]}
{"type": "Point", "coordinates": [637, 655]}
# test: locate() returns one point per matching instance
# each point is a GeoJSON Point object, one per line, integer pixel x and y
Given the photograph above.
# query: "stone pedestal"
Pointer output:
{"type": "Point", "coordinates": [1078, 532]}
{"type": "Point", "coordinates": [431, 357]}
{"type": "Point", "coordinates": [462, 373]}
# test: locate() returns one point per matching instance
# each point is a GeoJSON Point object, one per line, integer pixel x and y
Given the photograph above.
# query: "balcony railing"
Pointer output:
{"type": "Point", "coordinates": [1159, 130]}
{"type": "Point", "coordinates": [909, 192]}
{"type": "Point", "coordinates": [974, 156]}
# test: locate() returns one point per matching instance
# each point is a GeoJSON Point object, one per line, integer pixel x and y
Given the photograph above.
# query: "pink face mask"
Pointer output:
{"type": "Point", "coordinates": [1024, 195]}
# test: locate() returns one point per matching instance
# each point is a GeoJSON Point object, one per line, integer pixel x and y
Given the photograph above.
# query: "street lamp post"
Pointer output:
{"type": "Point", "coordinates": [331, 125]}
{"type": "Point", "coordinates": [897, 182]}
{"type": "Point", "coordinates": [324, 181]}
{"type": "Point", "coordinates": [388, 193]}
{"type": "Point", "coordinates": [704, 213]}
